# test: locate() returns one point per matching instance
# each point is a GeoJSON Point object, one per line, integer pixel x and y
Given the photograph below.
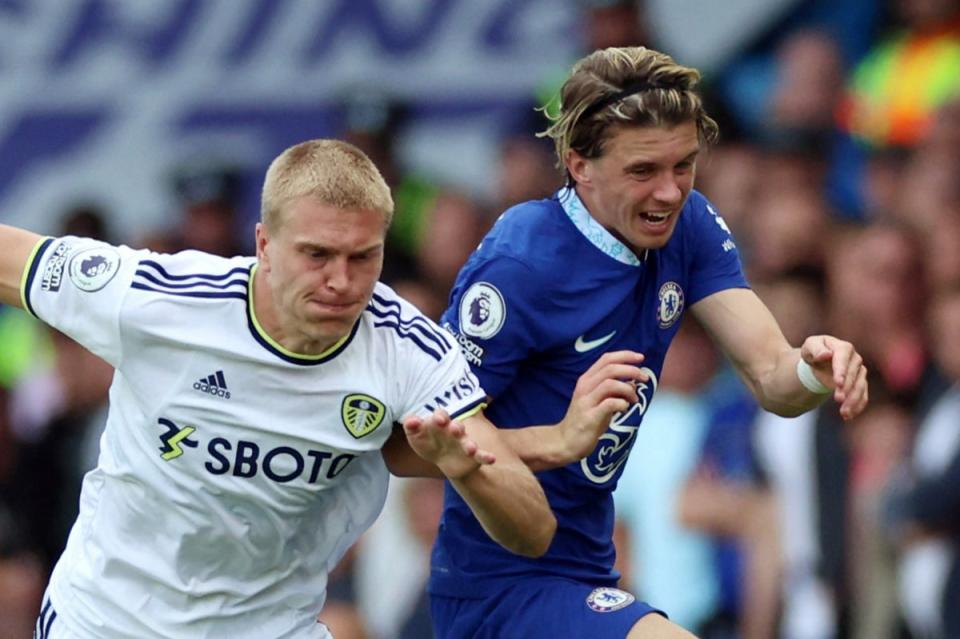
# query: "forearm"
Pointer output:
{"type": "Point", "coordinates": [539, 447]}
{"type": "Point", "coordinates": [511, 506]}
{"type": "Point", "coordinates": [17, 246]}
{"type": "Point", "coordinates": [779, 390]}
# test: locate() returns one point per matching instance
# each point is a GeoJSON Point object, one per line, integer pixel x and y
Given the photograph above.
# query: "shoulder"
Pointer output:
{"type": "Point", "coordinates": [193, 275]}
{"type": "Point", "coordinates": [528, 244]}
{"type": "Point", "coordinates": [524, 231]}
{"type": "Point", "coordinates": [699, 223]}
{"type": "Point", "coordinates": [404, 328]}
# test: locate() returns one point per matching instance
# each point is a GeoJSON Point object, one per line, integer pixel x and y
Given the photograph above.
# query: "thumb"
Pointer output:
{"type": "Point", "coordinates": [816, 351]}
{"type": "Point", "coordinates": [821, 356]}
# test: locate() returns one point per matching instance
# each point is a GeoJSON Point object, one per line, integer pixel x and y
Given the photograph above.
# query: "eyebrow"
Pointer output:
{"type": "Point", "coordinates": [313, 246]}
{"type": "Point", "coordinates": [690, 156]}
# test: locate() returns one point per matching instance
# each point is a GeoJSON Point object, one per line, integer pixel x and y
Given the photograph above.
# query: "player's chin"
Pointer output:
{"type": "Point", "coordinates": [645, 241]}
{"type": "Point", "coordinates": [327, 326]}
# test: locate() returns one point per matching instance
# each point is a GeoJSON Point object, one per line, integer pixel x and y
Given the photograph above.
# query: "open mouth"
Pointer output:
{"type": "Point", "coordinates": [655, 218]}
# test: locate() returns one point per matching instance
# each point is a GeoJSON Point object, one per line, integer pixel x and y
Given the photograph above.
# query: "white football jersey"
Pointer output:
{"type": "Point", "coordinates": [233, 474]}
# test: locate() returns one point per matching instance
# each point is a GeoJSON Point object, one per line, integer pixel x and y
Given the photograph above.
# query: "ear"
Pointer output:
{"type": "Point", "coordinates": [262, 239]}
{"type": "Point", "coordinates": [578, 166]}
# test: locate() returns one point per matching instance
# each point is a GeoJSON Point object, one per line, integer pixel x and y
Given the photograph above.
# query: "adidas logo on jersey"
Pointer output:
{"type": "Point", "coordinates": [215, 384]}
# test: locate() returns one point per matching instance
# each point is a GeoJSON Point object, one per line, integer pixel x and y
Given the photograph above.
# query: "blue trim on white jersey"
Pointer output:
{"type": "Point", "coordinates": [44, 623]}
{"type": "Point", "coordinates": [410, 336]}
{"type": "Point", "coordinates": [208, 285]}
{"type": "Point", "coordinates": [407, 327]}
{"type": "Point", "coordinates": [469, 407]}
{"type": "Point", "coordinates": [202, 294]}
{"type": "Point", "coordinates": [32, 273]}
{"type": "Point", "coordinates": [204, 276]}
{"type": "Point", "coordinates": [152, 278]}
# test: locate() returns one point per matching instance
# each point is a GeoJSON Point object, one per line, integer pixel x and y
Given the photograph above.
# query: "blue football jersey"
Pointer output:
{"type": "Point", "coordinates": [546, 293]}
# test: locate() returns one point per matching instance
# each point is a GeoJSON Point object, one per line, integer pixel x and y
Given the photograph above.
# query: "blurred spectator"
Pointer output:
{"type": "Point", "coordinates": [25, 345]}
{"type": "Point", "coordinates": [730, 175]}
{"type": "Point", "coordinates": [455, 224]}
{"type": "Point", "coordinates": [786, 450]}
{"type": "Point", "coordinates": [526, 168]}
{"type": "Point", "coordinates": [670, 564]}
{"type": "Point", "coordinates": [923, 510]}
{"type": "Point", "coordinates": [810, 76]}
{"type": "Point", "coordinates": [895, 89]}
{"type": "Point", "coordinates": [394, 560]}
{"type": "Point", "coordinates": [208, 218]}
{"type": "Point", "coordinates": [878, 440]}
{"type": "Point", "coordinates": [787, 230]}
{"type": "Point", "coordinates": [942, 253]}
{"type": "Point", "coordinates": [57, 416]}
{"type": "Point", "coordinates": [375, 122]}
{"type": "Point", "coordinates": [726, 497]}
{"type": "Point", "coordinates": [614, 23]}
{"type": "Point", "coordinates": [876, 296]}
{"type": "Point", "coordinates": [86, 220]}
{"type": "Point", "coordinates": [340, 612]}
{"type": "Point", "coordinates": [602, 24]}
{"type": "Point", "coordinates": [929, 189]}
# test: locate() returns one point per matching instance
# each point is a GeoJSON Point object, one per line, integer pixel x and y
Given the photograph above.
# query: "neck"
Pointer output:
{"type": "Point", "coordinates": [271, 325]}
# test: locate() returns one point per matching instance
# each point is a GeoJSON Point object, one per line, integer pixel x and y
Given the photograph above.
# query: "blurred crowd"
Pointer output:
{"type": "Point", "coordinates": [838, 172]}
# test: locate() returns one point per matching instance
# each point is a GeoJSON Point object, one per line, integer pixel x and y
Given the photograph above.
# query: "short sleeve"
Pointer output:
{"type": "Point", "coordinates": [78, 287]}
{"type": "Point", "coordinates": [446, 383]}
{"type": "Point", "coordinates": [493, 314]}
{"type": "Point", "coordinates": [715, 265]}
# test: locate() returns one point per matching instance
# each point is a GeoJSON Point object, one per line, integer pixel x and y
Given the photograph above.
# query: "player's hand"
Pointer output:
{"type": "Point", "coordinates": [605, 389]}
{"type": "Point", "coordinates": [444, 443]}
{"type": "Point", "coordinates": [839, 366]}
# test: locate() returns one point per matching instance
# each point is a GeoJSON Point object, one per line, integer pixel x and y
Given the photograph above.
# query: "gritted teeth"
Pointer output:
{"type": "Point", "coordinates": [655, 217]}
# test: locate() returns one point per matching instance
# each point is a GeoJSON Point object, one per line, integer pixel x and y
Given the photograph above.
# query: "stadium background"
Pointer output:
{"type": "Point", "coordinates": [151, 124]}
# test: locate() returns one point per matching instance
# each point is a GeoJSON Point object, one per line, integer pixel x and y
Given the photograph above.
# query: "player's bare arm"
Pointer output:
{"type": "Point", "coordinates": [419, 440]}
{"type": "Point", "coordinates": [604, 389]}
{"type": "Point", "coordinates": [17, 245]}
{"type": "Point", "coordinates": [747, 332]}
{"type": "Point", "coordinates": [504, 496]}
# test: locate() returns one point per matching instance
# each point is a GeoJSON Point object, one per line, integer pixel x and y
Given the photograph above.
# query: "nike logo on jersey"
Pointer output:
{"type": "Point", "coordinates": [583, 346]}
{"type": "Point", "coordinates": [214, 384]}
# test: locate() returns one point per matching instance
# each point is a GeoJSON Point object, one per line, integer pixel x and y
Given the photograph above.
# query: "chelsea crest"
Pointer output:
{"type": "Point", "coordinates": [670, 305]}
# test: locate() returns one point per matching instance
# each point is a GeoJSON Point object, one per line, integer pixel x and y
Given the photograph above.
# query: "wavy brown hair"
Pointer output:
{"type": "Point", "coordinates": [668, 98]}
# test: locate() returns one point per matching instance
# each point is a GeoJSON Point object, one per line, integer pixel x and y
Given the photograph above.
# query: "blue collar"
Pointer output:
{"type": "Point", "coordinates": [592, 230]}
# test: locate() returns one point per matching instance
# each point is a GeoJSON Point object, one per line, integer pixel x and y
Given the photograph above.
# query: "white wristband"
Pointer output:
{"type": "Point", "coordinates": [809, 380]}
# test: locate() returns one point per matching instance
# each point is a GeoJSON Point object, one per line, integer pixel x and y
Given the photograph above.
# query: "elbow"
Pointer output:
{"type": "Point", "coordinates": [537, 540]}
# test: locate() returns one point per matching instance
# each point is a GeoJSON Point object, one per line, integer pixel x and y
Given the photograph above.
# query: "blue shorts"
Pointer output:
{"type": "Point", "coordinates": [540, 608]}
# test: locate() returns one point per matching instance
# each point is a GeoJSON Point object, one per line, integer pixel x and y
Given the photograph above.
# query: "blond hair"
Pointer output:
{"type": "Point", "coordinates": [624, 86]}
{"type": "Point", "coordinates": [335, 172]}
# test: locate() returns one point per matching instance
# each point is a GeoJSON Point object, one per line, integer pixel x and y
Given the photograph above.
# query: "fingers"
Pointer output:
{"type": "Point", "coordinates": [857, 398]}
{"type": "Point", "coordinates": [850, 377]}
{"type": "Point", "coordinates": [438, 421]}
{"type": "Point", "coordinates": [615, 389]}
{"type": "Point", "coordinates": [818, 348]}
{"type": "Point", "coordinates": [412, 424]}
{"type": "Point", "coordinates": [484, 457]}
{"type": "Point", "coordinates": [623, 365]}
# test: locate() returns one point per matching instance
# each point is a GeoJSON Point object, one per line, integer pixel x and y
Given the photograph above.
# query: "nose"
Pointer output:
{"type": "Point", "coordinates": [667, 189]}
{"type": "Point", "coordinates": [337, 275]}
